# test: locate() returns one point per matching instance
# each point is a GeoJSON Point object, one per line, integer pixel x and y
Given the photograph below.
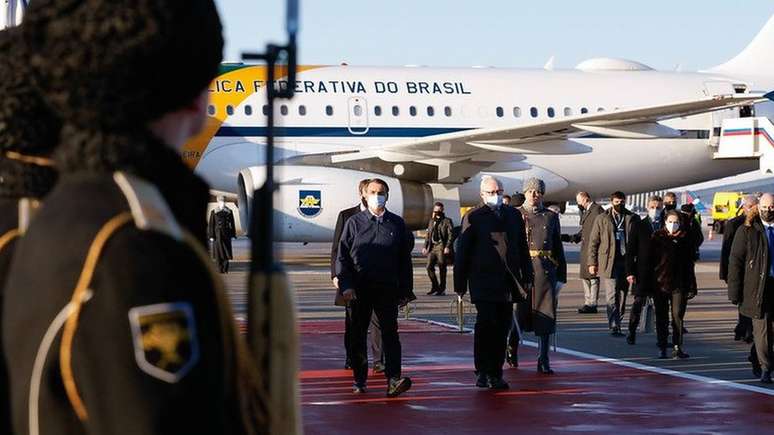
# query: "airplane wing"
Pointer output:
{"type": "Point", "coordinates": [547, 137]}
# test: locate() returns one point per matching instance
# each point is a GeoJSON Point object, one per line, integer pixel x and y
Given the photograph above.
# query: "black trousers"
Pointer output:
{"type": "Point", "coordinates": [368, 303]}
{"type": "Point", "coordinates": [677, 301]}
{"type": "Point", "coordinates": [493, 321]}
{"type": "Point", "coordinates": [436, 258]}
{"type": "Point", "coordinates": [636, 313]}
{"type": "Point", "coordinates": [375, 336]}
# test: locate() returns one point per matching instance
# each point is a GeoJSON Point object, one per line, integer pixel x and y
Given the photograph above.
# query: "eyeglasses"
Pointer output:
{"type": "Point", "coordinates": [493, 192]}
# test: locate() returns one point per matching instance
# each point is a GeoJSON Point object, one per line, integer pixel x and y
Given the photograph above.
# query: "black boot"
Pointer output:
{"type": "Point", "coordinates": [543, 365]}
{"type": "Point", "coordinates": [662, 353]}
{"type": "Point", "coordinates": [482, 380]}
{"type": "Point", "coordinates": [678, 353]}
{"type": "Point", "coordinates": [631, 338]}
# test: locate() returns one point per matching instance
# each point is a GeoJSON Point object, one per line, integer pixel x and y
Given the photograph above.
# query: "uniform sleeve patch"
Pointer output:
{"type": "Point", "coordinates": [164, 338]}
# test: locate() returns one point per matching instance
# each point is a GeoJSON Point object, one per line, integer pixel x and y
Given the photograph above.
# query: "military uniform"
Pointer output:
{"type": "Point", "coordinates": [221, 229]}
{"type": "Point", "coordinates": [134, 334]}
{"type": "Point", "coordinates": [538, 312]}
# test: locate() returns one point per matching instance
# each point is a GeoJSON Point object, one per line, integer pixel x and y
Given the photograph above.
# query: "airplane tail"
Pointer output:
{"type": "Point", "coordinates": [757, 59]}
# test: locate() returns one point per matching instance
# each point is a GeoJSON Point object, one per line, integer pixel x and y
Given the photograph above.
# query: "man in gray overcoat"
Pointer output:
{"type": "Point", "coordinates": [589, 210]}
{"type": "Point", "coordinates": [543, 232]}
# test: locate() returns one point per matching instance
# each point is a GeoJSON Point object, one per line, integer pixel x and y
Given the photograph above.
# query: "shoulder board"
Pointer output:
{"type": "Point", "coordinates": [149, 209]}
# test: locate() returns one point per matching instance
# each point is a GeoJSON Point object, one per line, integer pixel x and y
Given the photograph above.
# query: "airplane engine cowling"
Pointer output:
{"type": "Point", "coordinates": [310, 198]}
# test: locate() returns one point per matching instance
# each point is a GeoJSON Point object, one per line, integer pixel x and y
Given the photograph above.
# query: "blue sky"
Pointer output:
{"type": "Point", "coordinates": [692, 33]}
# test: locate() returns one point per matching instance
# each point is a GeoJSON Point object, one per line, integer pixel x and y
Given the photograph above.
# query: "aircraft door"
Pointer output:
{"type": "Point", "coordinates": [716, 88]}
{"type": "Point", "coordinates": [358, 115]}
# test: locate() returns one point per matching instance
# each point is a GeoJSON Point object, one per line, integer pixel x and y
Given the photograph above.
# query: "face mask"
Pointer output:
{"type": "Point", "coordinates": [767, 215]}
{"type": "Point", "coordinates": [376, 202]}
{"type": "Point", "coordinates": [438, 215]}
{"type": "Point", "coordinates": [672, 227]}
{"type": "Point", "coordinates": [493, 200]}
{"type": "Point", "coordinates": [654, 213]}
{"type": "Point", "coordinates": [618, 208]}
{"type": "Point", "coordinates": [669, 207]}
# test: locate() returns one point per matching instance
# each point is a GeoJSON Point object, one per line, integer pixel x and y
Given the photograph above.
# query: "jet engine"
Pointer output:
{"type": "Point", "coordinates": [309, 198]}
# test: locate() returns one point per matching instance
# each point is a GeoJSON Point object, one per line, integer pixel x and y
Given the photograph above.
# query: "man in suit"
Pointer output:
{"type": "Point", "coordinates": [493, 261]}
{"type": "Point", "coordinates": [376, 333]}
{"type": "Point", "coordinates": [751, 278]}
{"type": "Point", "coordinates": [743, 329]}
{"type": "Point", "coordinates": [438, 245]}
{"type": "Point", "coordinates": [589, 210]}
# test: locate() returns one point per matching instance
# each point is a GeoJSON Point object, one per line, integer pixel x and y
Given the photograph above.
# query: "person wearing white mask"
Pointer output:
{"type": "Point", "coordinates": [492, 261]}
{"type": "Point", "coordinates": [538, 313]}
{"type": "Point", "coordinates": [637, 266]}
{"type": "Point", "coordinates": [375, 275]}
{"type": "Point", "coordinates": [674, 283]}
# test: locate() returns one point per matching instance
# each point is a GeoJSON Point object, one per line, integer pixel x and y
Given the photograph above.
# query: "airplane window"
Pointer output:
{"type": "Point", "coordinates": [229, 110]}
{"type": "Point", "coordinates": [378, 110]}
{"type": "Point", "coordinates": [357, 110]}
{"type": "Point", "coordinates": [517, 112]}
{"type": "Point", "coordinates": [210, 110]}
{"type": "Point", "coordinates": [248, 110]}
{"type": "Point", "coordinates": [302, 110]}
{"type": "Point", "coordinates": [567, 111]}
{"type": "Point", "coordinates": [447, 111]}
{"type": "Point", "coordinates": [413, 111]}
{"type": "Point", "coordinates": [265, 110]}
{"type": "Point", "coordinates": [284, 109]}
{"type": "Point", "coordinates": [584, 110]}
{"type": "Point", "coordinates": [533, 111]}
{"type": "Point", "coordinates": [430, 111]}
{"type": "Point", "coordinates": [499, 111]}
{"type": "Point", "coordinates": [551, 112]}
{"type": "Point", "coordinates": [395, 111]}
{"type": "Point", "coordinates": [600, 109]}
{"type": "Point", "coordinates": [329, 110]}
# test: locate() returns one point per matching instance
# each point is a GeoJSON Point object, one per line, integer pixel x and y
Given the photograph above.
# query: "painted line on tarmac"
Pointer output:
{"type": "Point", "coordinates": [634, 365]}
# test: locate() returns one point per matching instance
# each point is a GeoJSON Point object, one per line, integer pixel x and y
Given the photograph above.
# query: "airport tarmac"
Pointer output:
{"type": "Point", "coordinates": [717, 368]}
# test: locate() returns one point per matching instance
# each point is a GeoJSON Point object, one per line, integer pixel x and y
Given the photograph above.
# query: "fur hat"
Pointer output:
{"type": "Point", "coordinates": [29, 129]}
{"type": "Point", "coordinates": [534, 184]}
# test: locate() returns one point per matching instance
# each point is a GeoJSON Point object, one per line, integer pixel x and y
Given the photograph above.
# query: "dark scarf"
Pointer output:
{"type": "Point", "coordinates": [141, 154]}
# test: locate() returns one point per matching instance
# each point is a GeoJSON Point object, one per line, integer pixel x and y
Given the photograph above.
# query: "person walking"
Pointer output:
{"type": "Point", "coordinates": [220, 230]}
{"type": "Point", "coordinates": [492, 261]}
{"type": "Point", "coordinates": [538, 312]}
{"type": "Point", "coordinates": [606, 257]}
{"type": "Point", "coordinates": [589, 210]}
{"type": "Point", "coordinates": [438, 246]}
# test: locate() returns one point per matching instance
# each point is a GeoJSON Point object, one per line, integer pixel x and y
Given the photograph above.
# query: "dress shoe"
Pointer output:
{"type": "Point", "coordinates": [481, 380]}
{"type": "Point", "coordinates": [631, 338]}
{"type": "Point", "coordinates": [378, 367]}
{"type": "Point", "coordinates": [662, 353]}
{"type": "Point", "coordinates": [616, 331]}
{"type": "Point", "coordinates": [544, 368]}
{"type": "Point", "coordinates": [441, 293]}
{"type": "Point", "coordinates": [511, 357]}
{"type": "Point", "coordinates": [359, 388]}
{"type": "Point", "coordinates": [497, 383]}
{"type": "Point", "coordinates": [678, 353]}
{"type": "Point", "coordinates": [587, 309]}
{"type": "Point", "coordinates": [766, 377]}
{"type": "Point", "coordinates": [756, 366]}
{"type": "Point", "coordinates": [397, 386]}
{"type": "Point", "coordinates": [432, 292]}
{"type": "Point", "coordinates": [347, 365]}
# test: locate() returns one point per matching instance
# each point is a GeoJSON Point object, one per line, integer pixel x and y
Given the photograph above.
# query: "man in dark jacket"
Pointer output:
{"type": "Point", "coordinates": [220, 230]}
{"type": "Point", "coordinates": [493, 262]}
{"type": "Point", "coordinates": [607, 256]}
{"type": "Point", "coordinates": [438, 245]}
{"type": "Point", "coordinates": [376, 332]}
{"type": "Point", "coordinates": [751, 278]}
{"type": "Point", "coordinates": [637, 262]}
{"type": "Point", "coordinates": [589, 210]}
{"type": "Point", "coordinates": [743, 329]}
{"type": "Point", "coordinates": [375, 274]}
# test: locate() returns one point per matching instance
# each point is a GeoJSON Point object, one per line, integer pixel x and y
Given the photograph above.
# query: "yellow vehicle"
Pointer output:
{"type": "Point", "coordinates": [725, 206]}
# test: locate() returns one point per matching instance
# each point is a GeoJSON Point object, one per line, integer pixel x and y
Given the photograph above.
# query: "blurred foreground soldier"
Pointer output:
{"type": "Point", "coordinates": [671, 265]}
{"type": "Point", "coordinates": [117, 322]}
{"type": "Point", "coordinates": [221, 229]}
{"type": "Point", "coordinates": [589, 210]}
{"type": "Point", "coordinates": [751, 277]}
{"type": "Point", "coordinates": [607, 257]}
{"type": "Point", "coordinates": [638, 262]}
{"type": "Point", "coordinates": [376, 332]}
{"type": "Point", "coordinates": [28, 133]}
{"type": "Point", "coordinates": [743, 329]}
{"type": "Point", "coordinates": [438, 246]}
{"type": "Point", "coordinates": [492, 260]}
{"type": "Point", "coordinates": [376, 276]}
{"type": "Point", "coordinates": [538, 312]}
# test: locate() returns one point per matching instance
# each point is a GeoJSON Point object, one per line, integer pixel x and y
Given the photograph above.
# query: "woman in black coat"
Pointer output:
{"type": "Point", "coordinates": [674, 282]}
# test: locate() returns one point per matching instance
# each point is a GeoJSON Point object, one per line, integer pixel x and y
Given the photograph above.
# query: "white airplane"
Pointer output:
{"type": "Point", "coordinates": [431, 133]}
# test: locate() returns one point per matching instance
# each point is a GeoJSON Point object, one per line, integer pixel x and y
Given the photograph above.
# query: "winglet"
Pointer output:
{"type": "Point", "coordinates": [769, 96]}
